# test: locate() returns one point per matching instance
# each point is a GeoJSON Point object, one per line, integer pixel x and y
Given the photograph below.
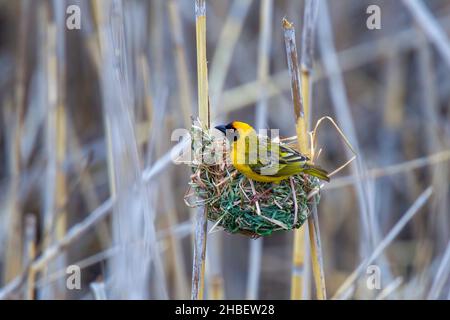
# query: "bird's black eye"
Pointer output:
{"type": "Point", "coordinates": [234, 134]}
{"type": "Point", "coordinates": [230, 126]}
{"type": "Point", "coordinates": [229, 131]}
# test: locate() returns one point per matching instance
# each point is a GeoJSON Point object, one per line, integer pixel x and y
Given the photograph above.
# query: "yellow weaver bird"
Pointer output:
{"type": "Point", "coordinates": [263, 160]}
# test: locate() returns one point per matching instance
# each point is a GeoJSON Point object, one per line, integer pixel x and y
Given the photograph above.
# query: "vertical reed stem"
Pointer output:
{"type": "Point", "coordinates": [294, 72]}
{"type": "Point", "coordinates": [316, 255]}
{"type": "Point", "coordinates": [301, 126]}
{"type": "Point", "coordinates": [198, 269]}
{"type": "Point", "coordinates": [298, 259]}
{"type": "Point", "coordinates": [202, 68]}
{"type": "Point", "coordinates": [13, 263]}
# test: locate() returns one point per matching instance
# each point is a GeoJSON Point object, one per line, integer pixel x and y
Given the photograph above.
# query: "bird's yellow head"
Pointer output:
{"type": "Point", "coordinates": [235, 129]}
{"type": "Point", "coordinates": [241, 126]}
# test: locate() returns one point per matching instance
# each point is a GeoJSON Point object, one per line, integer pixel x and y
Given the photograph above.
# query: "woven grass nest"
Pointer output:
{"type": "Point", "coordinates": [238, 205]}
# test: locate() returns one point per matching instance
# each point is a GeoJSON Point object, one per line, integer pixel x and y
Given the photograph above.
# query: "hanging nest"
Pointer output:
{"type": "Point", "coordinates": [237, 204]}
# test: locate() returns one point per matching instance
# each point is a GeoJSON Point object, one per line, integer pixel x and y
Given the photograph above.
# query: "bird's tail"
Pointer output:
{"type": "Point", "coordinates": [317, 172]}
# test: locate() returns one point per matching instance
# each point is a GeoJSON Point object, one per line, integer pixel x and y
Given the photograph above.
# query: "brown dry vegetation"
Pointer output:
{"type": "Point", "coordinates": [86, 176]}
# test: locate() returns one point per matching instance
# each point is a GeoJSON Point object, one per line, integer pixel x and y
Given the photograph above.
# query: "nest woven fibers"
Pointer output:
{"type": "Point", "coordinates": [237, 204]}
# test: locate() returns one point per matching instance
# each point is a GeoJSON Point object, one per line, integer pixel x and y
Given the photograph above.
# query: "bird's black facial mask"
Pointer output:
{"type": "Point", "coordinates": [229, 131]}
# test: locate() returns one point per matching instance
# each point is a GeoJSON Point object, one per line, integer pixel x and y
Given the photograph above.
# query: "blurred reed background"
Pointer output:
{"type": "Point", "coordinates": [86, 176]}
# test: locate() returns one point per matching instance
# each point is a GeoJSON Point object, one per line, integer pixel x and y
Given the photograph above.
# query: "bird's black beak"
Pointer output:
{"type": "Point", "coordinates": [222, 128]}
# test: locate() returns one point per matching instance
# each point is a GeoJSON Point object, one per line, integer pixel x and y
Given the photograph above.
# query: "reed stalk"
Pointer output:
{"type": "Point", "coordinates": [61, 191]}
{"type": "Point", "coordinates": [198, 269]}
{"type": "Point", "coordinates": [302, 129]}
{"type": "Point", "coordinates": [55, 223]}
{"type": "Point", "coordinates": [13, 263]}
{"type": "Point", "coordinates": [298, 258]}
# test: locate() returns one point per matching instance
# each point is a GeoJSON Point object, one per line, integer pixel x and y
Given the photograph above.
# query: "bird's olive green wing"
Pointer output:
{"type": "Point", "coordinates": [275, 159]}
